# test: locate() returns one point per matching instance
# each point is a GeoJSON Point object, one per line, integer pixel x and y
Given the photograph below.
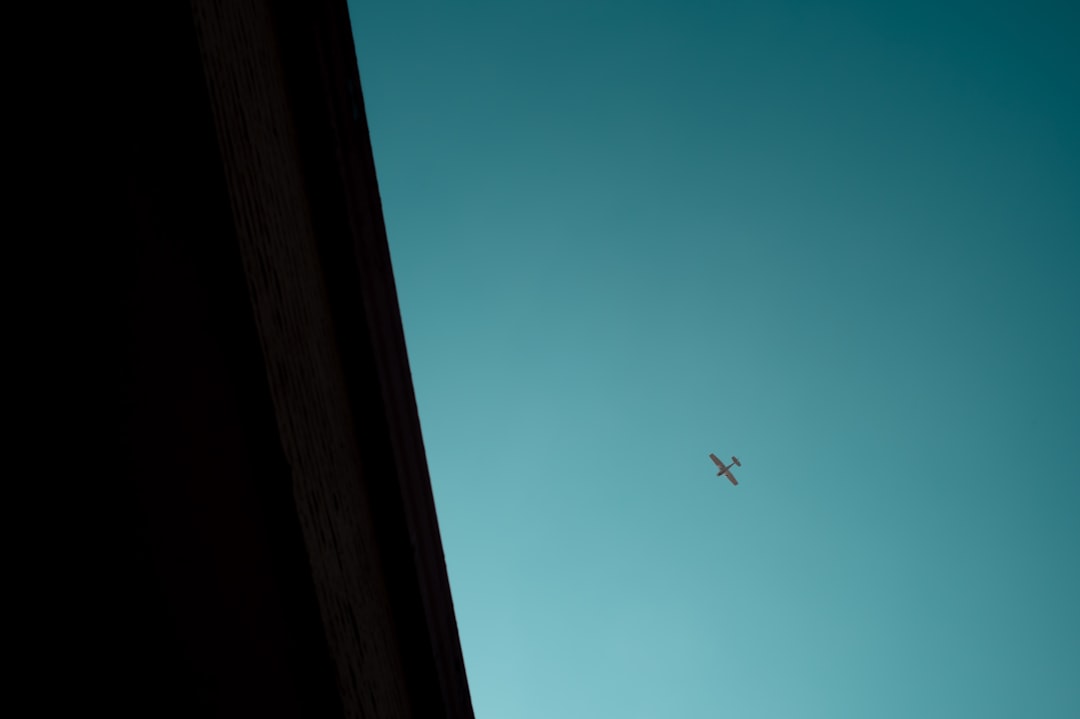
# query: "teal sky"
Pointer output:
{"type": "Point", "coordinates": [838, 240]}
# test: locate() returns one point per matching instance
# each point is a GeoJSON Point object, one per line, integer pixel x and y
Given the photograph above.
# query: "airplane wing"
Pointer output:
{"type": "Point", "coordinates": [716, 461]}
{"type": "Point", "coordinates": [731, 476]}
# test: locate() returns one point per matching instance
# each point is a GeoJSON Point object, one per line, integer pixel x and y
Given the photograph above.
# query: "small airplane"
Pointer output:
{"type": "Point", "coordinates": [726, 470]}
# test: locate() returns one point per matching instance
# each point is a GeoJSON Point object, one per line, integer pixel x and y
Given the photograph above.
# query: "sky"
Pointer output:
{"type": "Point", "coordinates": [840, 241]}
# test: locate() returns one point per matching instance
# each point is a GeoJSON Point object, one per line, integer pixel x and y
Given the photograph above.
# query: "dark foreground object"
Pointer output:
{"type": "Point", "coordinates": [261, 535]}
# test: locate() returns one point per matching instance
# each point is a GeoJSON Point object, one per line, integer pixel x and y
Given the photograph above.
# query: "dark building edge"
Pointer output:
{"type": "Point", "coordinates": [316, 41]}
{"type": "Point", "coordinates": [114, 547]}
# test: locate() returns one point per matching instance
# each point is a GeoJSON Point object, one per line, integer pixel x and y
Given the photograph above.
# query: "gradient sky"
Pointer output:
{"type": "Point", "coordinates": [838, 240]}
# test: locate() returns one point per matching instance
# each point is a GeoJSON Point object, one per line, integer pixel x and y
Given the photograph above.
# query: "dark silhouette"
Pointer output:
{"type": "Point", "coordinates": [255, 521]}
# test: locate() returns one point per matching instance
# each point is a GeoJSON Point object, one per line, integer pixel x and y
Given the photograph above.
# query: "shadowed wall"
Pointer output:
{"type": "Point", "coordinates": [282, 552]}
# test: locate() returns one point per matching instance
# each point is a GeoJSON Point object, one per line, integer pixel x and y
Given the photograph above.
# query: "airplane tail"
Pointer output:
{"type": "Point", "coordinates": [736, 461]}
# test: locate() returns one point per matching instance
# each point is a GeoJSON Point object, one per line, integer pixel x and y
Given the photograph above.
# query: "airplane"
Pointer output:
{"type": "Point", "coordinates": [726, 471]}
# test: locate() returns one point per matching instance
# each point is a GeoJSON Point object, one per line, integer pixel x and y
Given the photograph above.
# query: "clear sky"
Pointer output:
{"type": "Point", "coordinates": [838, 240]}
